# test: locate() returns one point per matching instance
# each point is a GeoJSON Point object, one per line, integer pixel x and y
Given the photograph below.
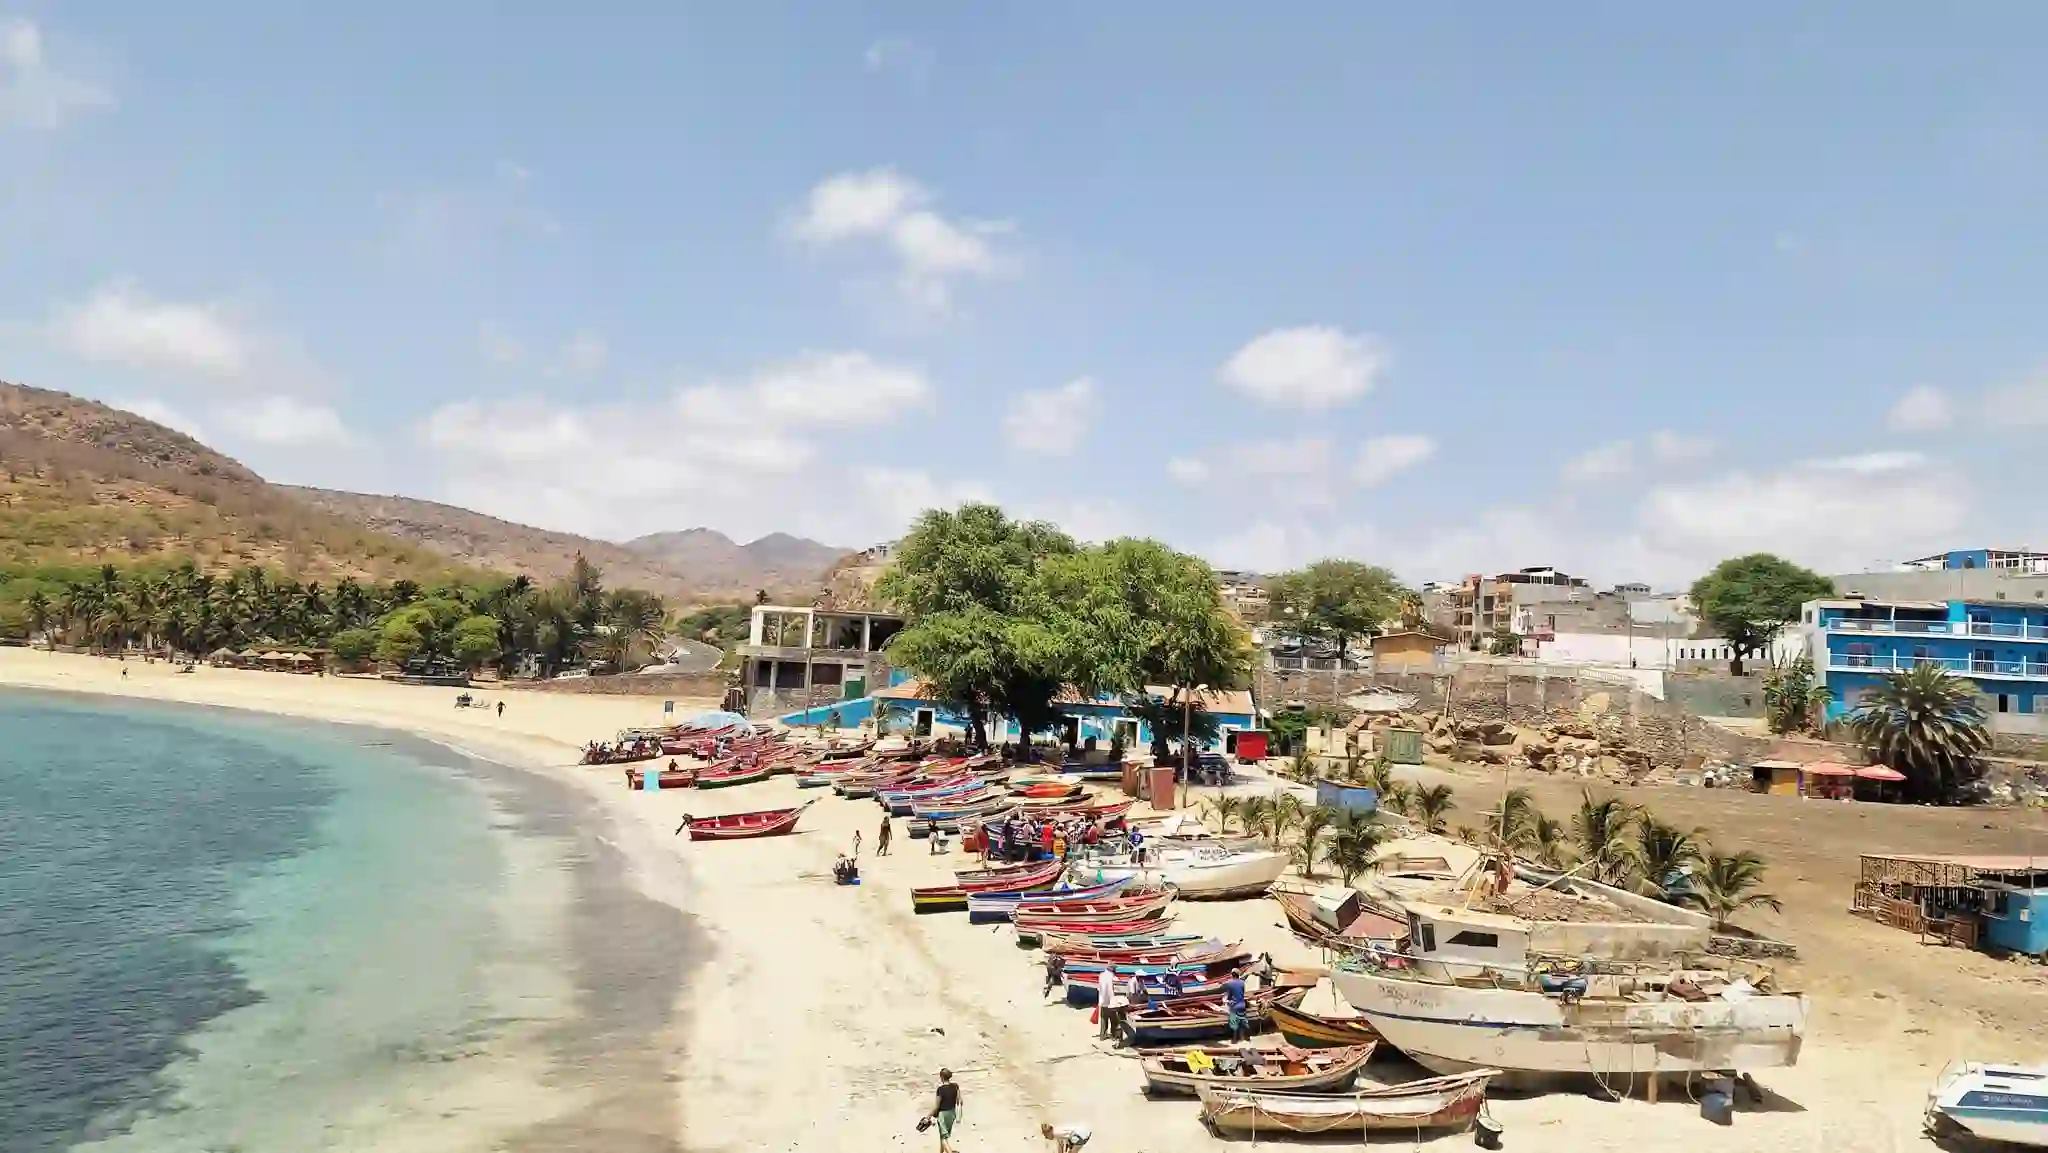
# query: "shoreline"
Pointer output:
{"type": "Point", "coordinates": [818, 1015]}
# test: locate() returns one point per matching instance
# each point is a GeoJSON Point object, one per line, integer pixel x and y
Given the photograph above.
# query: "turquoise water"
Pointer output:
{"type": "Point", "coordinates": [231, 933]}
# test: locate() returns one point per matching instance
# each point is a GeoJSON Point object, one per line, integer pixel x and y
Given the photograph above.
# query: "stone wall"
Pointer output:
{"type": "Point", "coordinates": [692, 686]}
{"type": "Point", "coordinates": [1716, 694]}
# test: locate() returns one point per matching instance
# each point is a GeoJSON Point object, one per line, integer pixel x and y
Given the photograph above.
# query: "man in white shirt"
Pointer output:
{"type": "Point", "coordinates": [1106, 1003]}
{"type": "Point", "coordinates": [1064, 1138]}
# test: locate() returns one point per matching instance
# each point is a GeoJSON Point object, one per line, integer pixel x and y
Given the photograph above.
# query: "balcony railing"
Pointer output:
{"type": "Point", "coordinates": [2014, 632]}
{"type": "Point", "coordinates": [1967, 666]}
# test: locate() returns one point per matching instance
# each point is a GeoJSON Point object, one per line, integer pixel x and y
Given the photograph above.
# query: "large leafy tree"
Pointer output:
{"type": "Point", "coordinates": [1750, 599]}
{"type": "Point", "coordinates": [1926, 723]}
{"type": "Point", "coordinates": [1338, 600]}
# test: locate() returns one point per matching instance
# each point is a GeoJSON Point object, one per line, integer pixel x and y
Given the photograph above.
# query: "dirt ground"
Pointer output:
{"type": "Point", "coordinates": [1879, 985]}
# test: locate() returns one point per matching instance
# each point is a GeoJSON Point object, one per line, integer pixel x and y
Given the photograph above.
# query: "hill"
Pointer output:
{"type": "Point", "coordinates": [777, 562]}
{"type": "Point", "coordinates": [84, 483]}
{"type": "Point", "coordinates": [488, 542]}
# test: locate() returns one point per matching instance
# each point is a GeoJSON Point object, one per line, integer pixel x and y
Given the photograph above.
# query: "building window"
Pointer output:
{"type": "Point", "coordinates": [828, 674]}
{"type": "Point", "coordinates": [1983, 660]}
{"type": "Point", "coordinates": [1476, 940]}
{"type": "Point", "coordinates": [1922, 655]}
{"type": "Point", "coordinates": [1860, 656]}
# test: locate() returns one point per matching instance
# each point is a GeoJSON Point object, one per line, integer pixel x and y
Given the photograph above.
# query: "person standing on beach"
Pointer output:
{"type": "Point", "coordinates": [1234, 1006]}
{"type": "Point", "coordinates": [501, 708]}
{"type": "Point", "coordinates": [882, 838]}
{"type": "Point", "coordinates": [946, 1109]}
{"type": "Point", "coordinates": [856, 844]}
{"type": "Point", "coordinates": [1106, 1003]}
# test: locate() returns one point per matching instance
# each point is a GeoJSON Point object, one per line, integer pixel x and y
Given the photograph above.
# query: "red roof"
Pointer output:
{"type": "Point", "coordinates": [1828, 769]}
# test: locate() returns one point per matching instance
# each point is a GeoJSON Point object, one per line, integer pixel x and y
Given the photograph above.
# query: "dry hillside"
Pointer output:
{"type": "Point", "coordinates": [777, 562]}
{"type": "Point", "coordinates": [84, 483]}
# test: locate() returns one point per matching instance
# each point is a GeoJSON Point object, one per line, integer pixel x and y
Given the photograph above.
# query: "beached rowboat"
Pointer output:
{"type": "Point", "coordinates": [737, 775]}
{"type": "Point", "coordinates": [744, 826]}
{"type": "Point", "coordinates": [1312, 1032]}
{"type": "Point", "coordinates": [1324, 1071]}
{"type": "Point", "coordinates": [1438, 1103]}
{"type": "Point", "coordinates": [1202, 1018]}
{"type": "Point", "coordinates": [953, 898]}
{"type": "Point", "coordinates": [636, 779]}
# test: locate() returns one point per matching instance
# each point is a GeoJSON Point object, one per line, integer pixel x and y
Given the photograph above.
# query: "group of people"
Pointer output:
{"type": "Point", "coordinates": [1020, 837]}
{"type": "Point", "coordinates": [1116, 996]}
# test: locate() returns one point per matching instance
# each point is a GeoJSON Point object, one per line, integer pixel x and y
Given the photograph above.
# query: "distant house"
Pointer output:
{"type": "Point", "coordinates": [915, 708]}
{"type": "Point", "coordinates": [1407, 648]}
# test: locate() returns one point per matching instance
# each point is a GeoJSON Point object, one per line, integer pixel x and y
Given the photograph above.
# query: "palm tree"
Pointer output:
{"type": "Point", "coordinates": [1433, 807]}
{"type": "Point", "coordinates": [1663, 852]}
{"type": "Point", "coordinates": [1253, 813]}
{"type": "Point", "coordinates": [1548, 842]}
{"type": "Point", "coordinates": [1724, 885]}
{"type": "Point", "coordinates": [1601, 829]}
{"type": "Point", "coordinates": [1281, 817]}
{"type": "Point", "coordinates": [1381, 772]}
{"type": "Point", "coordinates": [1518, 817]}
{"type": "Point", "coordinates": [1316, 822]}
{"type": "Point", "coordinates": [1926, 723]}
{"type": "Point", "coordinates": [1224, 808]}
{"type": "Point", "coordinates": [1395, 797]}
{"type": "Point", "coordinates": [1354, 842]}
{"type": "Point", "coordinates": [40, 612]}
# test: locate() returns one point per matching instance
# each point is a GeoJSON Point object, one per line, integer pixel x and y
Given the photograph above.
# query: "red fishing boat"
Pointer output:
{"type": "Point", "coordinates": [953, 898]}
{"type": "Point", "coordinates": [678, 778]}
{"type": "Point", "coordinates": [740, 774]}
{"type": "Point", "coordinates": [744, 826]}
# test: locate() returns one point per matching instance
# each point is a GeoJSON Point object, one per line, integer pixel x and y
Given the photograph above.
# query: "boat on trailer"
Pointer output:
{"type": "Point", "coordinates": [1323, 1071]}
{"type": "Point", "coordinates": [744, 826]}
{"type": "Point", "coordinates": [1992, 1102]}
{"type": "Point", "coordinates": [1437, 1103]}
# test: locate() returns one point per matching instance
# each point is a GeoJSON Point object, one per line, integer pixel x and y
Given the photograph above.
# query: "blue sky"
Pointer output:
{"type": "Point", "coordinates": [1621, 288]}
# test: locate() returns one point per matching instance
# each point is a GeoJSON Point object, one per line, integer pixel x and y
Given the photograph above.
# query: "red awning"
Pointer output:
{"type": "Point", "coordinates": [1827, 769]}
{"type": "Point", "coordinates": [1880, 773]}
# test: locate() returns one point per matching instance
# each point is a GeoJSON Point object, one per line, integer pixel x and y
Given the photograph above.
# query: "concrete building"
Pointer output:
{"type": "Point", "coordinates": [1244, 594]}
{"type": "Point", "coordinates": [1407, 649]}
{"type": "Point", "coordinates": [2000, 647]}
{"type": "Point", "coordinates": [1484, 605]}
{"type": "Point", "coordinates": [915, 709]}
{"type": "Point", "coordinates": [1979, 574]}
{"type": "Point", "coordinates": [802, 656]}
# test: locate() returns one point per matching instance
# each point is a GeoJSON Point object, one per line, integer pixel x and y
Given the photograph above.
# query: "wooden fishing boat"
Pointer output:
{"type": "Point", "coordinates": [1000, 905]}
{"type": "Point", "coordinates": [953, 898]}
{"type": "Point", "coordinates": [737, 775]}
{"type": "Point", "coordinates": [1438, 1103]}
{"type": "Point", "coordinates": [1323, 1071]}
{"type": "Point", "coordinates": [1115, 911]}
{"type": "Point", "coordinates": [678, 778]}
{"type": "Point", "coordinates": [1093, 944]}
{"type": "Point", "coordinates": [1202, 1018]}
{"type": "Point", "coordinates": [1051, 791]}
{"type": "Point", "coordinates": [1312, 1032]}
{"type": "Point", "coordinates": [744, 826]}
{"type": "Point", "coordinates": [1030, 927]}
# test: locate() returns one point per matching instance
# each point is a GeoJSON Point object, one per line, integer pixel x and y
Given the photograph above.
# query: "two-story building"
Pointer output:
{"type": "Point", "coordinates": [798, 657]}
{"type": "Point", "coordinates": [2000, 647]}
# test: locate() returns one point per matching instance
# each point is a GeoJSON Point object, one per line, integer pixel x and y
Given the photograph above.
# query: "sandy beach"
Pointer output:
{"type": "Point", "coordinates": [819, 1014]}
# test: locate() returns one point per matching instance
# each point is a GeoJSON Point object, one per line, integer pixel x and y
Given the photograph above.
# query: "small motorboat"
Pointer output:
{"type": "Point", "coordinates": [1992, 1102]}
{"type": "Point", "coordinates": [1323, 1071]}
{"type": "Point", "coordinates": [744, 826]}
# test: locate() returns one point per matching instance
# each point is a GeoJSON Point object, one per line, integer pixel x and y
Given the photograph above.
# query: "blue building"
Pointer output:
{"type": "Point", "coordinates": [1995, 559]}
{"type": "Point", "coordinates": [2001, 647]}
{"type": "Point", "coordinates": [916, 709]}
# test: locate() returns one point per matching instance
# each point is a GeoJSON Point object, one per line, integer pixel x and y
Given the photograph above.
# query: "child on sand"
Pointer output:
{"type": "Point", "coordinates": [1064, 1138]}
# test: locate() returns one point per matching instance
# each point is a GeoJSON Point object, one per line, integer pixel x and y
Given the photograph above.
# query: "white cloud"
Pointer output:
{"type": "Point", "coordinates": [1053, 421]}
{"type": "Point", "coordinates": [1676, 448]}
{"type": "Point", "coordinates": [1187, 470]}
{"type": "Point", "coordinates": [884, 500]}
{"type": "Point", "coordinates": [585, 354]}
{"type": "Point", "coordinates": [1924, 409]}
{"type": "Point", "coordinates": [2022, 405]}
{"type": "Point", "coordinates": [164, 414]}
{"type": "Point", "coordinates": [1311, 368]}
{"type": "Point", "coordinates": [1383, 457]}
{"type": "Point", "coordinates": [1609, 460]}
{"type": "Point", "coordinates": [881, 204]}
{"type": "Point", "coordinates": [897, 53]}
{"type": "Point", "coordinates": [1872, 462]}
{"type": "Point", "coordinates": [286, 422]}
{"type": "Point", "coordinates": [734, 453]}
{"type": "Point", "coordinates": [498, 345]}
{"type": "Point", "coordinates": [33, 93]}
{"type": "Point", "coordinates": [121, 324]}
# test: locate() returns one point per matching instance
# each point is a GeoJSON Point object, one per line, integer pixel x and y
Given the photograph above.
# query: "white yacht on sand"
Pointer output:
{"type": "Point", "coordinates": [1575, 979]}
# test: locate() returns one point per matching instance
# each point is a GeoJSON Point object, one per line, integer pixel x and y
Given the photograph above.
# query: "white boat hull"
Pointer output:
{"type": "Point", "coordinates": [1451, 1028]}
{"type": "Point", "coordinates": [1995, 1102]}
{"type": "Point", "coordinates": [1197, 878]}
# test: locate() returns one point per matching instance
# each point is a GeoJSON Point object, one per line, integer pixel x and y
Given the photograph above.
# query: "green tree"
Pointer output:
{"type": "Point", "coordinates": [1224, 808]}
{"type": "Point", "coordinates": [1750, 599]}
{"type": "Point", "coordinates": [1311, 837]}
{"type": "Point", "coordinates": [399, 640]}
{"type": "Point", "coordinates": [354, 646]}
{"type": "Point", "coordinates": [1793, 702]}
{"type": "Point", "coordinates": [1337, 600]}
{"type": "Point", "coordinates": [1355, 840]}
{"type": "Point", "coordinates": [39, 612]}
{"type": "Point", "coordinates": [1723, 885]}
{"type": "Point", "coordinates": [1926, 723]}
{"type": "Point", "coordinates": [1279, 817]}
{"type": "Point", "coordinates": [1663, 852]}
{"type": "Point", "coordinates": [1515, 825]}
{"type": "Point", "coordinates": [1504, 642]}
{"type": "Point", "coordinates": [1432, 806]}
{"type": "Point", "coordinates": [1397, 797]}
{"type": "Point", "coordinates": [1602, 829]}
{"type": "Point", "coordinates": [475, 642]}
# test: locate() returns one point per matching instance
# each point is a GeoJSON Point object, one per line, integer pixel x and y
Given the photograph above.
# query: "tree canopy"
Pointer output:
{"type": "Point", "coordinates": [1926, 723]}
{"type": "Point", "coordinates": [1000, 615]}
{"type": "Point", "coordinates": [1751, 599]}
{"type": "Point", "coordinates": [1338, 600]}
